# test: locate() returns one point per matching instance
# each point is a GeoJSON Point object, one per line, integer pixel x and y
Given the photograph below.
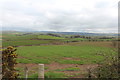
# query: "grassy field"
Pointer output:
{"type": "Point", "coordinates": [68, 60]}
{"type": "Point", "coordinates": [61, 59]}
{"type": "Point", "coordinates": [49, 37]}
{"type": "Point", "coordinates": [86, 54]}
{"type": "Point", "coordinates": [36, 39]}
{"type": "Point", "coordinates": [75, 39]}
{"type": "Point", "coordinates": [23, 40]}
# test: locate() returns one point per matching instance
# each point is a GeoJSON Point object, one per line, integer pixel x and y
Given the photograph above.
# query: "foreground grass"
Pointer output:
{"type": "Point", "coordinates": [50, 75]}
{"type": "Point", "coordinates": [69, 69]}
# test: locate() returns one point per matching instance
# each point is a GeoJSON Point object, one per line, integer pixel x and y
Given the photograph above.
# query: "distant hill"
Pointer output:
{"type": "Point", "coordinates": [83, 33]}
{"type": "Point", "coordinates": [66, 33]}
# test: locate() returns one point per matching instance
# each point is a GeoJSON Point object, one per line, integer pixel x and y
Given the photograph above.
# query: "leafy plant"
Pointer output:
{"type": "Point", "coordinates": [8, 63]}
{"type": "Point", "coordinates": [107, 69]}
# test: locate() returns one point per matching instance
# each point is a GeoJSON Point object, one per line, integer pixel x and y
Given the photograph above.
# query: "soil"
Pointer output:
{"type": "Point", "coordinates": [53, 66]}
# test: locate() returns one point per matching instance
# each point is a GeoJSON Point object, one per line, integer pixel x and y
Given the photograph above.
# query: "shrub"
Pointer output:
{"type": "Point", "coordinates": [107, 69]}
{"type": "Point", "coordinates": [8, 63]}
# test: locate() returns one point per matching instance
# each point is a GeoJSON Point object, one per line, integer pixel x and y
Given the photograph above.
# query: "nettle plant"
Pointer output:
{"type": "Point", "coordinates": [8, 63]}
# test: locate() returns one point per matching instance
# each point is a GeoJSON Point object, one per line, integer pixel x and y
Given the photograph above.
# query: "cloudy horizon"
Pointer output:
{"type": "Point", "coordinates": [94, 16]}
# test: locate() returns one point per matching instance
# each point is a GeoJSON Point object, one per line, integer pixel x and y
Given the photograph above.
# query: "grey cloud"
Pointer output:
{"type": "Point", "coordinates": [57, 18]}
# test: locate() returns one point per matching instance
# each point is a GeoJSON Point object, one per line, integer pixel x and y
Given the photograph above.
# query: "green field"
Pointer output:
{"type": "Point", "coordinates": [25, 42]}
{"type": "Point", "coordinates": [75, 39]}
{"type": "Point", "coordinates": [57, 53]}
{"type": "Point", "coordinates": [49, 37]}
{"type": "Point", "coordinates": [37, 39]}
{"type": "Point", "coordinates": [84, 54]}
{"type": "Point", "coordinates": [30, 39]}
{"type": "Point", "coordinates": [63, 56]}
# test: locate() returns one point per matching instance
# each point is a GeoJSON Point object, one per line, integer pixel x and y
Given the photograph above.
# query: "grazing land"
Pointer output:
{"type": "Point", "coordinates": [63, 55]}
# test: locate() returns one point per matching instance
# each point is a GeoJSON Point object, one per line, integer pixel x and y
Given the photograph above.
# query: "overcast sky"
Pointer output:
{"type": "Point", "coordinates": [59, 15]}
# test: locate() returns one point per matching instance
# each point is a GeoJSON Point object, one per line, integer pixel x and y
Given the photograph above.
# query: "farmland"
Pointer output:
{"type": "Point", "coordinates": [60, 53]}
{"type": "Point", "coordinates": [23, 39]}
{"type": "Point", "coordinates": [63, 55]}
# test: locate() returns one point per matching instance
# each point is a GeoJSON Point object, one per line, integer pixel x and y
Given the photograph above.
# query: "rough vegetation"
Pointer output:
{"type": "Point", "coordinates": [8, 63]}
{"type": "Point", "coordinates": [107, 69]}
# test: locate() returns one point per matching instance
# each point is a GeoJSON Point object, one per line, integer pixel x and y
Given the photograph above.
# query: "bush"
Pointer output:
{"type": "Point", "coordinates": [107, 69]}
{"type": "Point", "coordinates": [8, 63]}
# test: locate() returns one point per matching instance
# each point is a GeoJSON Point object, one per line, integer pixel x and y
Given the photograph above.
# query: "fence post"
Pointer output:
{"type": "Point", "coordinates": [26, 73]}
{"type": "Point", "coordinates": [41, 72]}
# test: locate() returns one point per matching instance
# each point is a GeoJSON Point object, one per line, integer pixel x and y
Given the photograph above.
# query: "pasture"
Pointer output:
{"type": "Point", "coordinates": [61, 58]}
{"type": "Point", "coordinates": [49, 37]}
{"type": "Point", "coordinates": [22, 40]}
{"type": "Point", "coordinates": [64, 54]}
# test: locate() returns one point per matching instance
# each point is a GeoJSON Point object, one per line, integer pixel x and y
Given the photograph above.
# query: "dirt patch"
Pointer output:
{"type": "Point", "coordinates": [68, 58]}
{"type": "Point", "coordinates": [23, 65]}
{"type": "Point", "coordinates": [32, 68]}
{"type": "Point", "coordinates": [3, 36]}
{"type": "Point", "coordinates": [21, 57]}
{"type": "Point", "coordinates": [54, 66]}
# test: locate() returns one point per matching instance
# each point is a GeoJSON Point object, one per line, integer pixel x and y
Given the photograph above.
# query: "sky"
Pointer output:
{"type": "Point", "coordinates": [94, 16]}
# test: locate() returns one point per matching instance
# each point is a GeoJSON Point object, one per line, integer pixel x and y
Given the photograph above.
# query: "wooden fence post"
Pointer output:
{"type": "Point", "coordinates": [41, 72]}
{"type": "Point", "coordinates": [26, 73]}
